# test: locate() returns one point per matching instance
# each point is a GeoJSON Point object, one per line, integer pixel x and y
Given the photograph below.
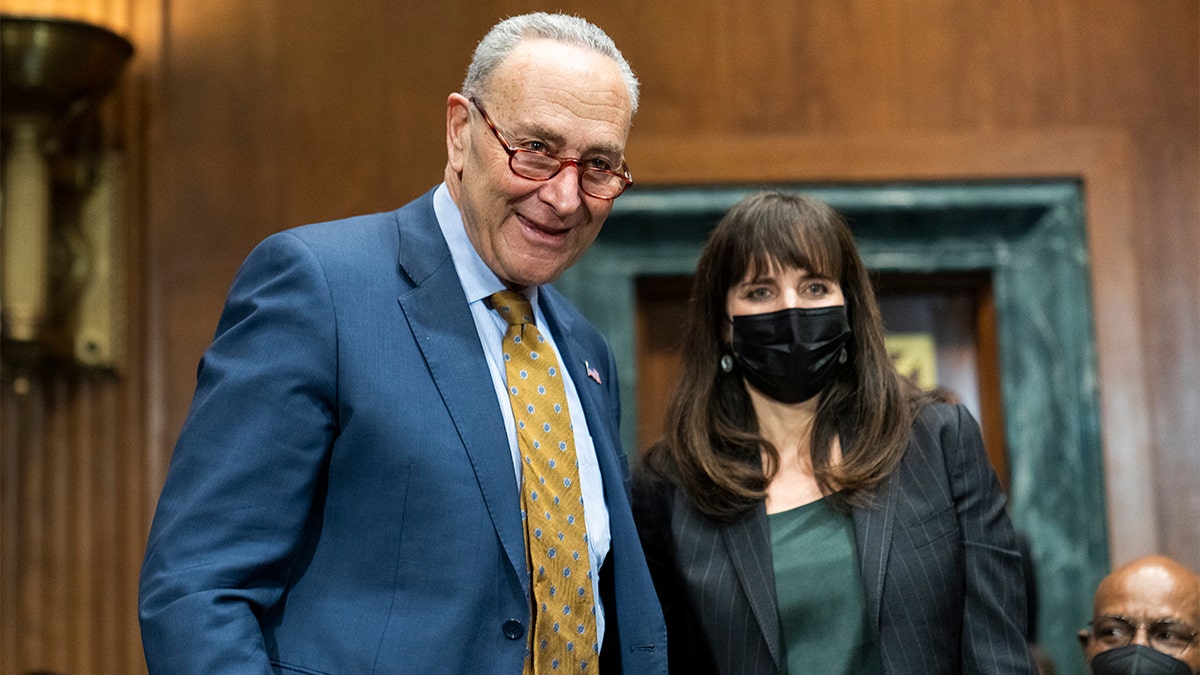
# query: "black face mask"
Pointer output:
{"type": "Point", "coordinates": [792, 354]}
{"type": "Point", "coordinates": [1137, 660]}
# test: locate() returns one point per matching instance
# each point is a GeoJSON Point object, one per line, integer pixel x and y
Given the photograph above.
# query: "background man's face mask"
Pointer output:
{"type": "Point", "coordinates": [1137, 660]}
{"type": "Point", "coordinates": [792, 354]}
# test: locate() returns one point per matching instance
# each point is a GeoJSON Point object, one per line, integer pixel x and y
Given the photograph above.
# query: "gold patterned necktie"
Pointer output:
{"type": "Point", "coordinates": [564, 615]}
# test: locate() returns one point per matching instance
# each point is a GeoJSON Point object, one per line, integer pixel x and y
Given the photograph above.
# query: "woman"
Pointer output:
{"type": "Point", "coordinates": [809, 510]}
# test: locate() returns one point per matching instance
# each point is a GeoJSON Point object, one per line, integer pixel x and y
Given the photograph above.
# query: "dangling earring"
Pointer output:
{"type": "Point", "coordinates": [842, 357]}
{"type": "Point", "coordinates": [726, 363]}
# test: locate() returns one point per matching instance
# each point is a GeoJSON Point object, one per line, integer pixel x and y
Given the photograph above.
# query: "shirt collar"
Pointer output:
{"type": "Point", "coordinates": [477, 279]}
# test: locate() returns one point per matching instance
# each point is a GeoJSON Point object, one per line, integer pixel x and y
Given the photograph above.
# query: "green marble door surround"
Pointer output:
{"type": "Point", "coordinates": [1031, 238]}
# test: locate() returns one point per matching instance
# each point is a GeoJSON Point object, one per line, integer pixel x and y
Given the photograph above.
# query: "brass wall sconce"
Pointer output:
{"type": "Point", "coordinates": [61, 196]}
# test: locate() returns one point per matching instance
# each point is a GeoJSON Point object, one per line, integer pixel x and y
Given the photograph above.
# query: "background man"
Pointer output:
{"type": "Point", "coordinates": [1145, 618]}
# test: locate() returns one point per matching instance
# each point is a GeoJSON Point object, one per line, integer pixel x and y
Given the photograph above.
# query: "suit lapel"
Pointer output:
{"type": "Point", "coordinates": [874, 524]}
{"type": "Point", "coordinates": [594, 395]}
{"type": "Point", "coordinates": [748, 541]}
{"type": "Point", "coordinates": [598, 398]}
{"type": "Point", "coordinates": [441, 322]}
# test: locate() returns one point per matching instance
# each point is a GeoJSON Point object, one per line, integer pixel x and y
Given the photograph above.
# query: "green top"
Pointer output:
{"type": "Point", "coordinates": [819, 590]}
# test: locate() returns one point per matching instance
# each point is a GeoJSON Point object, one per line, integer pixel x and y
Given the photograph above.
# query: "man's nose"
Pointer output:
{"type": "Point", "coordinates": [1141, 636]}
{"type": "Point", "coordinates": [563, 191]}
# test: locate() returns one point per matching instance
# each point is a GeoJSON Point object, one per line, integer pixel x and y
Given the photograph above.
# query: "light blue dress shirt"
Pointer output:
{"type": "Point", "coordinates": [479, 282]}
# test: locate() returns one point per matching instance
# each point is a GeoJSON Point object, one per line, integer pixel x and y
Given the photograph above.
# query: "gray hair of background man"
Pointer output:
{"type": "Point", "coordinates": [572, 30]}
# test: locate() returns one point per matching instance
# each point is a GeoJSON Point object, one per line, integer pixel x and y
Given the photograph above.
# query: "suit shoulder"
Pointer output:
{"type": "Point", "coordinates": [345, 232]}
{"type": "Point", "coordinates": [365, 229]}
{"type": "Point", "coordinates": [937, 431]}
{"type": "Point", "coordinates": [353, 240]}
{"type": "Point", "coordinates": [938, 415]}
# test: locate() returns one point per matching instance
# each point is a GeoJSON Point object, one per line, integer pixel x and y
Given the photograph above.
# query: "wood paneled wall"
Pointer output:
{"type": "Point", "coordinates": [74, 499]}
{"type": "Point", "coordinates": [245, 118]}
{"type": "Point", "coordinates": [78, 473]}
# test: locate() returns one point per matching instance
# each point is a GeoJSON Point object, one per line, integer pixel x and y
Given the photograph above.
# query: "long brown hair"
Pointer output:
{"type": "Point", "coordinates": [712, 447]}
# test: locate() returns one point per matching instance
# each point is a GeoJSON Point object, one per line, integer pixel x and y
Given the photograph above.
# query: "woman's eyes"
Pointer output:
{"type": "Point", "coordinates": [816, 289]}
{"type": "Point", "coordinates": [789, 287]}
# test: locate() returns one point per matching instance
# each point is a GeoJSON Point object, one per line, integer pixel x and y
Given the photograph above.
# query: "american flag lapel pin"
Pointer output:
{"type": "Point", "coordinates": [592, 373]}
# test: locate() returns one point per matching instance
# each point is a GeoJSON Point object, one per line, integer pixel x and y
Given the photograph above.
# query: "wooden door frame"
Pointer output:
{"type": "Point", "coordinates": [1101, 159]}
{"type": "Point", "coordinates": [1064, 522]}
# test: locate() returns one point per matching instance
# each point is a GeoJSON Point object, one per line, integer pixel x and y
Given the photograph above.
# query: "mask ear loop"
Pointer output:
{"type": "Point", "coordinates": [845, 352]}
{"type": "Point", "coordinates": [726, 360]}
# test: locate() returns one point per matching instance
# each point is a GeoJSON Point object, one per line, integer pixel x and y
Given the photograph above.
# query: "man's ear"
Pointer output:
{"type": "Point", "coordinates": [1083, 636]}
{"type": "Point", "coordinates": [458, 142]}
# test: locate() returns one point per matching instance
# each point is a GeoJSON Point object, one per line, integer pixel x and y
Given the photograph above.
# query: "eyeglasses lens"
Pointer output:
{"type": "Point", "coordinates": [540, 166]}
{"type": "Point", "coordinates": [1166, 636]}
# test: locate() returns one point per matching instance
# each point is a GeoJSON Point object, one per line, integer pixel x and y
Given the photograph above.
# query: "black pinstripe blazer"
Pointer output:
{"type": "Point", "coordinates": [942, 576]}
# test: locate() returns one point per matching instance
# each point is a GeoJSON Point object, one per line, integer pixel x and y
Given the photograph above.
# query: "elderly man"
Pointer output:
{"type": "Point", "coordinates": [402, 455]}
{"type": "Point", "coordinates": [1145, 620]}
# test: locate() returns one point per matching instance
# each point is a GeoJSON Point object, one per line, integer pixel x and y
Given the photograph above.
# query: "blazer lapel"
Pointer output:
{"type": "Point", "coordinates": [600, 407]}
{"type": "Point", "coordinates": [599, 402]}
{"type": "Point", "coordinates": [441, 322]}
{"type": "Point", "coordinates": [874, 524]}
{"type": "Point", "coordinates": [748, 541]}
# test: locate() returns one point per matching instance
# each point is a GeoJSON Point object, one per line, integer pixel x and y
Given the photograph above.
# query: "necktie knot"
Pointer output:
{"type": "Point", "coordinates": [513, 306]}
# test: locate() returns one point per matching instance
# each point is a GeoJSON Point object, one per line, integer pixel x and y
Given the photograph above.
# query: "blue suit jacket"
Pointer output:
{"type": "Point", "coordinates": [342, 498]}
{"type": "Point", "coordinates": [941, 573]}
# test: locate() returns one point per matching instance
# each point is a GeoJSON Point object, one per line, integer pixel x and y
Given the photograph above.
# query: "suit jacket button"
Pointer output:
{"type": "Point", "coordinates": [513, 630]}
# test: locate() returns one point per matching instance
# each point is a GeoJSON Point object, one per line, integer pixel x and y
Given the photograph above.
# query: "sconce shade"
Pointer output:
{"type": "Point", "coordinates": [51, 68]}
{"type": "Point", "coordinates": [51, 72]}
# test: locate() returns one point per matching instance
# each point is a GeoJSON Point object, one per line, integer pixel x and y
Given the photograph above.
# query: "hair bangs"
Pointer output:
{"type": "Point", "coordinates": [788, 233]}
